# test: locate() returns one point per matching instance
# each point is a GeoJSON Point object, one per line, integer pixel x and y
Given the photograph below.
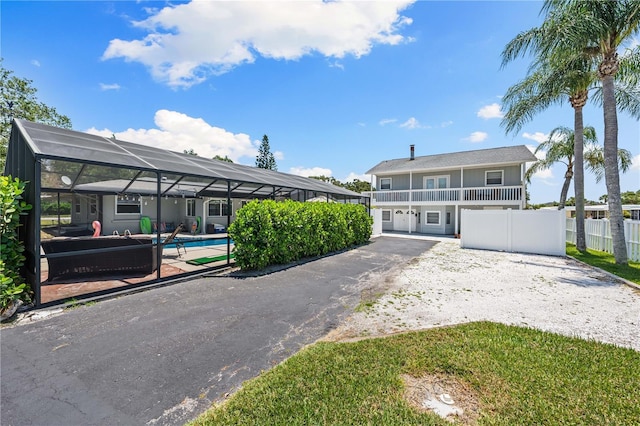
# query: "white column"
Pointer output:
{"type": "Point", "coordinates": [457, 207]}
{"type": "Point", "coordinates": [411, 217]}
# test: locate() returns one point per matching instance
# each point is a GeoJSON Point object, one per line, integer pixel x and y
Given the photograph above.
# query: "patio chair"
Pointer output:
{"type": "Point", "coordinates": [172, 239]}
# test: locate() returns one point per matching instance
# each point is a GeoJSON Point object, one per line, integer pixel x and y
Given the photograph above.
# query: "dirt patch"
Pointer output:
{"type": "Point", "coordinates": [426, 394]}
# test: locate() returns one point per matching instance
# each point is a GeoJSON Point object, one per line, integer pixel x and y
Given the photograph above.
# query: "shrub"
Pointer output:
{"type": "Point", "coordinates": [12, 286]}
{"type": "Point", "coordinates": [268, 232]}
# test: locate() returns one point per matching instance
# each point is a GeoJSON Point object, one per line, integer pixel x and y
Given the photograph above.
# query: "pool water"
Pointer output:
{"type": "Point", "coordinates": [198, 243]}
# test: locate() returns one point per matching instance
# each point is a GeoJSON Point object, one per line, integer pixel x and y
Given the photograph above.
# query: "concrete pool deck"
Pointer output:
{"type": "Point", "coordinates": [173, 264]}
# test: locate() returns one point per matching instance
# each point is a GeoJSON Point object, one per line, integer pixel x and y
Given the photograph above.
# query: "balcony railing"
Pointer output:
{"type": "Point", "coordinates": [449, 195]}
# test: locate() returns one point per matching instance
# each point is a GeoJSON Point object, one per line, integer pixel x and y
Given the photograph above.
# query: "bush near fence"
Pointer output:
{"type": "Point", "coordinates": [270, 233]}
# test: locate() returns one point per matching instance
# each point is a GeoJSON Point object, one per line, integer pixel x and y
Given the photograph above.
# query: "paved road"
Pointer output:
{"type": "Point", "coordinates": [160, 357]}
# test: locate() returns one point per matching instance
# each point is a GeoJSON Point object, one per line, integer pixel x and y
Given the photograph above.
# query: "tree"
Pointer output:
{"type": "Point", "coordinates": [190, 151]}
{"type": "Point", "coordinates": [553, 82]}
{"type": "Point", "coordinates": [597, 29]}
{"type": "Point", "coordinates": [559, 148]}
{"type": "Point", "coordinates": [221, 158]}
{"type": "Point", "coordinates": [592, 31]}
{"type": "Point", "coordinates": [265, 158]}
{"type": "Point", "coordinates": [630, 197]}
{"type": "Point", "coordinates": [355, 185]}
{"type": "Point", "coordinates": [18, 100]}
{"type": "Point", "coordinates": [358, 185]}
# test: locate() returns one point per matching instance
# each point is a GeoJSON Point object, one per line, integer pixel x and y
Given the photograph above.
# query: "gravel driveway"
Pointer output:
{"type": "Point", "coordinates": [449, 285]}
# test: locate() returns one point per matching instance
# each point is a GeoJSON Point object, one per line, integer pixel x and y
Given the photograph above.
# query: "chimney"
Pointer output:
{"type": "Point", "coordinates": [413, 154]}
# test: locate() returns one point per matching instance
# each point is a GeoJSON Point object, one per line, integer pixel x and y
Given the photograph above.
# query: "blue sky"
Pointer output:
{"type": "Point", "coordinates": [337, 87]}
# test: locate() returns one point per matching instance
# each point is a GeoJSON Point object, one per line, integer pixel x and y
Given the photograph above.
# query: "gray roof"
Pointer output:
{"type": "Point", "coordinates": [68, 145]}
{"type": "Point", "coordinates": [478, 158]}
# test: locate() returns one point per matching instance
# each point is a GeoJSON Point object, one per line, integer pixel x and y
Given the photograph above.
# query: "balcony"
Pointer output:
{"type": "Point", "coordinates": [480, 195]}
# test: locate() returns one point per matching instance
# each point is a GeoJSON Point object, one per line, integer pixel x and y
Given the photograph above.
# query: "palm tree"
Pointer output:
{"type": "Point", "coordinates": [592, 31]}
{"type": "Point", "coordinates": [550, 83]}
{"type": "Point", "coordinates": [599, 29]}
{"type": "Point", "coordinates": [559, 148]}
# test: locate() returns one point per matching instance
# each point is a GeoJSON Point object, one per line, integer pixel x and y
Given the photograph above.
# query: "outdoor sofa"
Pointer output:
{"type": "Point", "coordinates": [84, 257]}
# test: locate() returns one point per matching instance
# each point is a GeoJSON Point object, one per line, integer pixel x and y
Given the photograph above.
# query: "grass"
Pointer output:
{"type": "Point", "coordinates": [606, 262]}
{"type": "Point", "coordinates": [518, 375]}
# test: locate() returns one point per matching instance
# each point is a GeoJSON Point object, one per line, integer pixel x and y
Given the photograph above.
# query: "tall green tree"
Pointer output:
{"type": "Point", "coordinates": [265, 158]}
{"type": "Point", "coordinates": [599, 29]}
{"type": "Point", "coordinates": [592, 31]}
{"type": "Point", "coordinates": [18, 100]}
{"type": "Point", "coordinates": [550, 83]}
{"type": "Point", "coordinates": [559, 148]}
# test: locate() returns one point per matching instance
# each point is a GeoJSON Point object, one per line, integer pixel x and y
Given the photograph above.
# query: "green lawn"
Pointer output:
{"type": "Point", "coordinates": [607, 262]}
{"type": "Point", "coordinates": [508, 375]}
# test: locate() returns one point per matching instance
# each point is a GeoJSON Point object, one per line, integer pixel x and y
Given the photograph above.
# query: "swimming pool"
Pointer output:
{"type": "Point", "coordinates": [198, 242]}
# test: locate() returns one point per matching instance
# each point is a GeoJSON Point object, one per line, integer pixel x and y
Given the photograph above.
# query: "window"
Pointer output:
{"type": "Point", "coordinates": [127, 204]}
{"type": "Point", "coordinates": [436, 182]}
{"type": "Point", "coordinates": [385, 184]}
{"type": "Point", "coordinates": [386, 215]}
{"type": "Point", "coordinates": [494, 177]}
{"type": "Point", "coordinates": [93, 204]}
{"type": "Point", "coordinates": [448, 218]}
{"type": "Point", "coordinates": [218, 208]}
{"type": "Point", "coordinates": [76, 205]}
{"type": "Point", "coordinates": [191, 207]}
{"type": "Point", "coordinates": [433, 218]}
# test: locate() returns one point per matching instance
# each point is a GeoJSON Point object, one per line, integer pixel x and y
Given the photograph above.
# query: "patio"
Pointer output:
{"type": "Point", "coordinates": [77, 179]}
{"type": "Point", "coordinates": [175, 262]}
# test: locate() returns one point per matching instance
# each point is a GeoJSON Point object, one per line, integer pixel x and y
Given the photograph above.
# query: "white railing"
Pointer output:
{"type": "Point", "coordinates": [435, 195]}
{"type": "Point", "coordinates": [598, 236]}
{"type": "Point", "coordinates": [448, 195]}
{"type": "Point", "coordinates": [503, 193]}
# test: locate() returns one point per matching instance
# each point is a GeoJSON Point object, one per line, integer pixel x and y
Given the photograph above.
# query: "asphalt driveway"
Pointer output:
{"type": "Point", "coordinates": [163, 356]}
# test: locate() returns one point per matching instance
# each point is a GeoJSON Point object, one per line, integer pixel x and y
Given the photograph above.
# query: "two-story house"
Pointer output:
{"type": "Point", "coordinates": [426, 194]}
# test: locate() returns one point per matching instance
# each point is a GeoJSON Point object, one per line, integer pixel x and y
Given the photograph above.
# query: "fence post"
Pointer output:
{"type": "Point", "coordinates": [509, 231]}
{"type": "Point", "coordinates": [603, 235]}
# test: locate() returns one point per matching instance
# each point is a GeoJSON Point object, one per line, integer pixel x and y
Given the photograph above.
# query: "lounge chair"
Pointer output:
{"type": "Point", "coordinates": [172, 239]}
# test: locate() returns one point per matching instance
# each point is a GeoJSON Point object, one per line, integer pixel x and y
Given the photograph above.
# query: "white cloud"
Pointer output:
{"type": "Point", "coordinates": [35, 63]}
{"type": "Point", "coordinates": [412, 123]}
{"type": "Point", "coordinates": [179, 132]}
{"type": "Point", "coordinates": [476, 137]}
{"type": "Point", "coordinates": [386, 121]}
{"type": "Point", "coordinates": [310, 171]}
{"type": "Point", "coordinates": [351, 176]}
{"type": "Point", "coordinates": [537, 136]}
{"type": "Point", "coordinates": [278, 155]}
{"type": "Point", "coordinates": [446, 123]}
{"type": "Point", "coordinates": [635, 163]}
{"type": "Point", "coordinates": [362, 124]}
{"type": "Point", "coordinates": [544, 174]}
{"type": "Point", "coordinates": [114, 86]}
{"type": "Point", "coordinates": [187, 43]}
{"type": "Point", "coordinates": [490, 111]}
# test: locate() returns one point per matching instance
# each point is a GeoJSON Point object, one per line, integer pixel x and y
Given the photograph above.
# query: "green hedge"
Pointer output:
{"type": "Point", "coordinates": [269, 233]}
{"type": "Point", "coordinates": [12, 286]}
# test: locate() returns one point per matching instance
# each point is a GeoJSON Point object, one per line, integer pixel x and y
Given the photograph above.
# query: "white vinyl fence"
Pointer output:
{"type": "Point", "coordinates": [524, 231]}
{"type": "Point", "coordinates": [598, 236]}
